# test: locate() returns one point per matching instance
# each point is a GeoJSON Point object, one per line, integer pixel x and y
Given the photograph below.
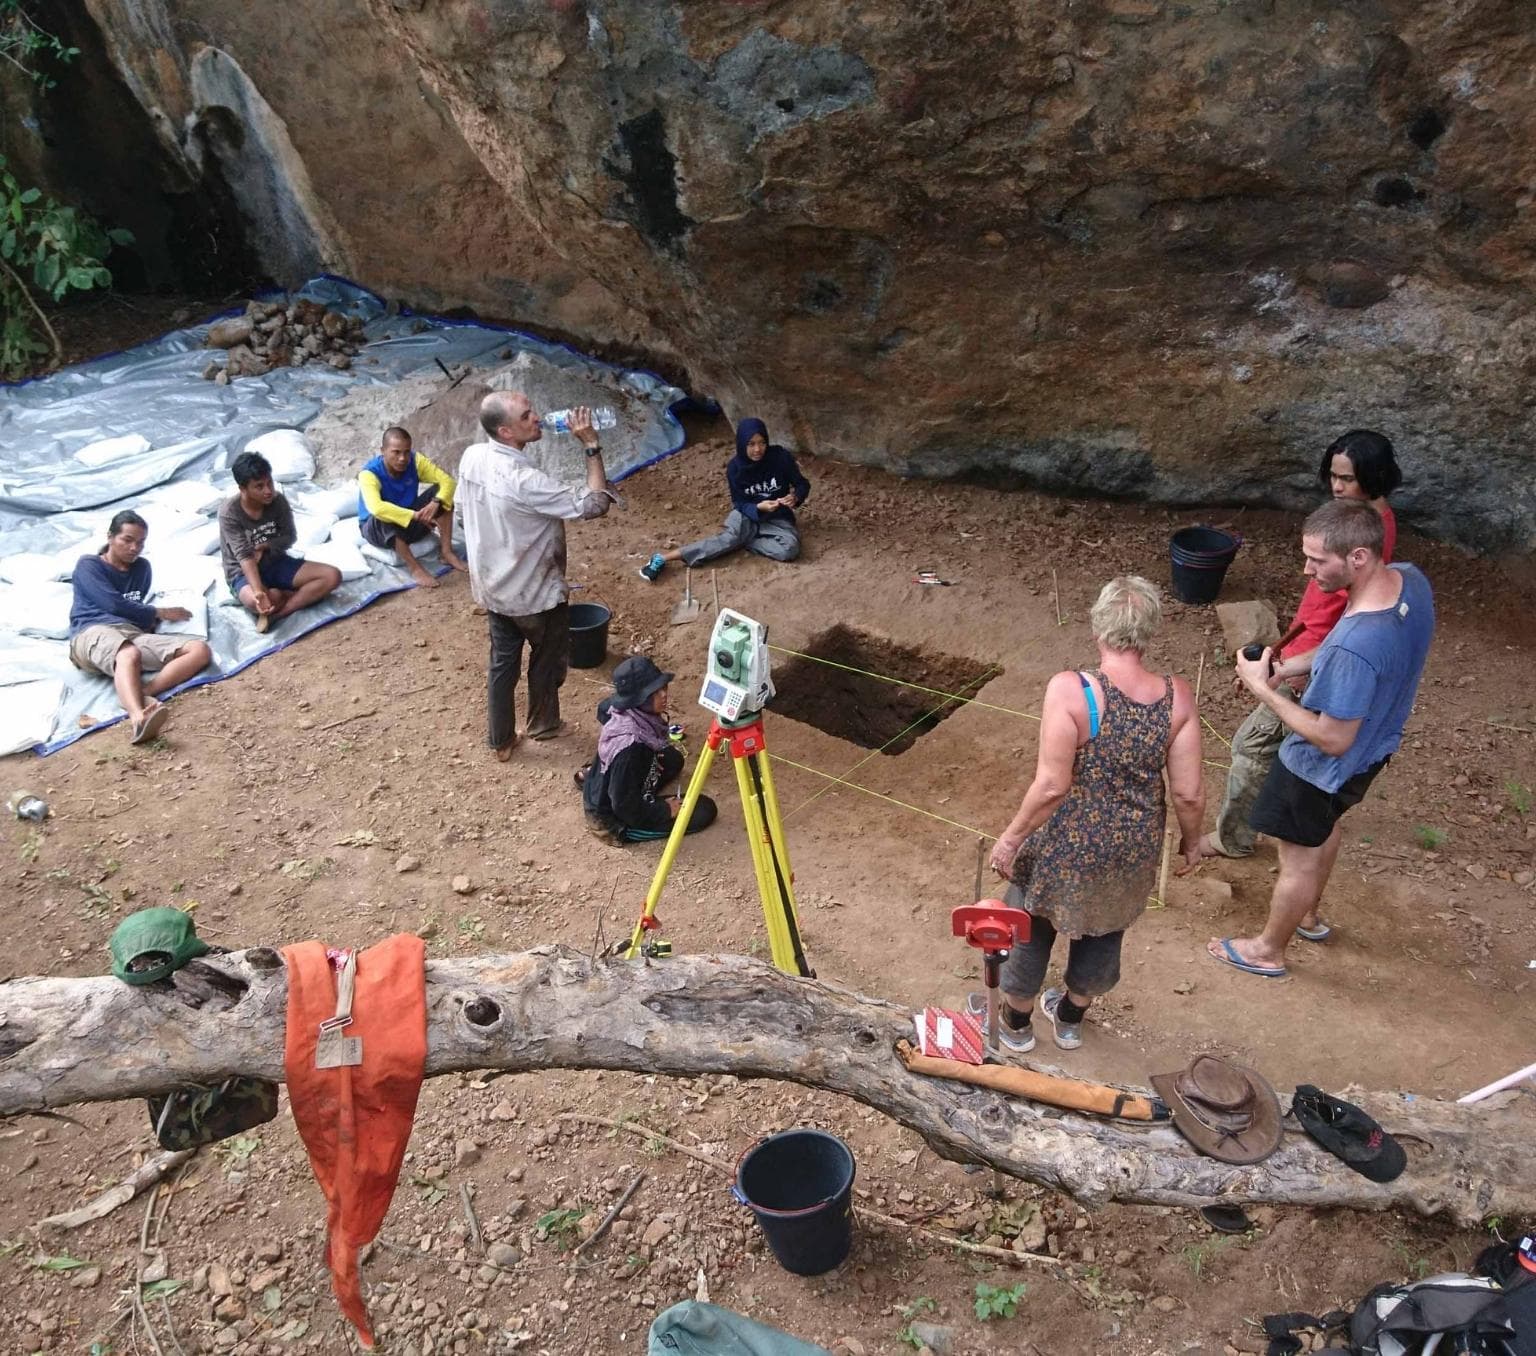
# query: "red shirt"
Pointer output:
{"type": "Point", "coordinates": [1321, 611]}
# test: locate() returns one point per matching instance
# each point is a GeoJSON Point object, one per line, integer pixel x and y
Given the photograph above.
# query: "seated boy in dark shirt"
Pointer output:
{"type": "Point", "coordinates": [255, 532]}
{"type": "Point", "coordinates": [111, 627]}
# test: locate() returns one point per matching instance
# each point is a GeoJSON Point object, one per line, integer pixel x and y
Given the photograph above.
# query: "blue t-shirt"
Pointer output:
{"type": "Point", "coordinates": [105, 596]}
{"type": "Point", "coordinates": [1367, 669]}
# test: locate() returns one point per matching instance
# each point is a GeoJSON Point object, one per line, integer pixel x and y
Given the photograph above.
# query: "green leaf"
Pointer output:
{"type": "Point", "coordinates": [118, 236]}
{"type": "Point", "coordinates": [30, 196]}
{"type": "Point", "coordinates": [63, 1262]}
{"type": "Point", "coordinates": [160, 1289]}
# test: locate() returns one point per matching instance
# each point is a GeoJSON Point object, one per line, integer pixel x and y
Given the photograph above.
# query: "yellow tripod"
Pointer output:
{"type": "Point", "coordinates": [765, 836]}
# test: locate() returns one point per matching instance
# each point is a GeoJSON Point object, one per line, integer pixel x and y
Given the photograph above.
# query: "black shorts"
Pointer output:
{"type": "Point", "coordinates": [1297, 812]}
{"type": "Point", "coordinates": [381, 534]}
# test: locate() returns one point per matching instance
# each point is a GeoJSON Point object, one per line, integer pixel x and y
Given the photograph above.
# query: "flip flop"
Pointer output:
{"type": "Point", "coordinates": [146, 729]}
{"type": "Point", "coordinates": [544, 736]}
{"type": "Point", "coordinates": [1321, 933]}
{"type": "Point", "coordinates": [1234, 958]}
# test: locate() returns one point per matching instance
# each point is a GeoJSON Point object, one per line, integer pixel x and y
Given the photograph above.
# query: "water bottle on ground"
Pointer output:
{"type": "Point", "coordinates": [559, 421]}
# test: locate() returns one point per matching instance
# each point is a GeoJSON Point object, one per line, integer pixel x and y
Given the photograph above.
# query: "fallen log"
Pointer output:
{"type": "Point", "coordinates": [64, 1041]}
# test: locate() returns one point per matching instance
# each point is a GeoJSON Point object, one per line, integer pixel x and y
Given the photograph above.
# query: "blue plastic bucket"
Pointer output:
{"type": "Point", "coordinates": [1200, 558]}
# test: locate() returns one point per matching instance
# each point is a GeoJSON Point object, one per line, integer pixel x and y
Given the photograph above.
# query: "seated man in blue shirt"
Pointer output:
{"type": "Point", "coordinates": [766, 488]}
{"type": "Point", "coordinates": [393, 511]}
{"type": "Point", "coordinates": [111, 627]}
{"type": "Point", "coordinates": [1345, 728]}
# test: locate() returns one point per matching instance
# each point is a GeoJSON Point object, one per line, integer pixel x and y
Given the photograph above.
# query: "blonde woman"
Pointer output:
{"type": "Point", "coordinates": [1082, 853]}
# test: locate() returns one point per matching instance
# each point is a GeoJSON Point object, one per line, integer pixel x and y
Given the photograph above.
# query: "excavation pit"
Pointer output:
{"type": "Point", "coordinates": [841, 698]}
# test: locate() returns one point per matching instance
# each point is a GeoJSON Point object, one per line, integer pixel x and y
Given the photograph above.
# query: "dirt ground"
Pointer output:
{"type": "Point", "coordinates": [376, 725]}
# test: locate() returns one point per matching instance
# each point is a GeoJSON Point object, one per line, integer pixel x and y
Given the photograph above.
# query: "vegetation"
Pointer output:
{"type": "Point", "coordinates": [30, 47]}
{"type": "Point", "coordinates": [997, 1301]}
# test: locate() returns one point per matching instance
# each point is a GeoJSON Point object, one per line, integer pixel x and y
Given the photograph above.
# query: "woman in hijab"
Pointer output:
{"type": "Point", "coordinates": [620, 790]}
{"type": "Point", "coordinates": [766, 488]}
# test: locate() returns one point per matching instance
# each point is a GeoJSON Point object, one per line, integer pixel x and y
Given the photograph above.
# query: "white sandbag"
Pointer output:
{"type": "Point", "coordinates": [104, 450]}
{"type": "Point", "coordinates": [37, 610]}
{"type": "Point", "coordinates": [33, 567]}
{"type": "Point", "coordinates": [201, 539]}
{"type": "Point", "coordinates": [425, 547]}
{"type": "Point", "coordinates": [340, 501]}
{"type": "Point", "coordinates": [288, 451]}
{"type": "Point", "coordinates": [312, 528]}
{"type": "Point", "coordinates": [195, 602]}
{"type": "Point", "coordinates": [345, 556]}
{"type": "Point", "coordinates": [195, 497]}
{"type": "Point", "coordinates": [184, 572]}
{"type": "Point", "coordinates": [28, 713]}
{"type": "Point", "coordinates": [347, 532]}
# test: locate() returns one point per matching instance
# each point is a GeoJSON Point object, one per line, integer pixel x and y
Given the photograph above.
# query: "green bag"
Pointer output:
{"type": "Point", "coordinates": [195, 1116]}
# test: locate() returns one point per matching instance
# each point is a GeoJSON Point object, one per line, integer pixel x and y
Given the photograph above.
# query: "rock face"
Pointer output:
{"type": "Point", "coordinates": [1135, 247]}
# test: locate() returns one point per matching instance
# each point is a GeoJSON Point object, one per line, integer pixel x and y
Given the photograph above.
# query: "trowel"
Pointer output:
{"type": "Point", "coordinates": [688, 607]}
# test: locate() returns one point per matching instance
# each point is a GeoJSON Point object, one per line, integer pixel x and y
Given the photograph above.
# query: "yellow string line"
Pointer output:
{"type": "Point", "coordinates": [937, 692]}
{"type": "Point", "coordinates": [916, 809]}
{"type": "Point", "coordinates": [1215, 732]}
{"type": "Point", "coordinates": [954, 697]}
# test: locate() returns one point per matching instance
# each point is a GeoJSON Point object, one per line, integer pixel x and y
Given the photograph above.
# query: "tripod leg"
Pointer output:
{"type": "Point", "coordinates": [762, 868]}
{"type": "Point", "coordinates": [776, 829]}
{"type": "Point", "coordinates": [773, 877]}
{"type": "Point", "coordinates": [674, 843]}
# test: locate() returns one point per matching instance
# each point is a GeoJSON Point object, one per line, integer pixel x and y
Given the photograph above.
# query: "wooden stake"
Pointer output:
{"type": "Point", "coordinates": [1056, 595]}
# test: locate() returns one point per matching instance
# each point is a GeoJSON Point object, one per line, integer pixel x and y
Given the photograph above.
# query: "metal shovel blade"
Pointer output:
{"type": "Point", "coordinates": [688, 607]}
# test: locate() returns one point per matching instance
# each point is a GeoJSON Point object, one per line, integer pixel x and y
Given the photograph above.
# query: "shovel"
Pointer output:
{"type": "Point", "coordinates": [688, 607]}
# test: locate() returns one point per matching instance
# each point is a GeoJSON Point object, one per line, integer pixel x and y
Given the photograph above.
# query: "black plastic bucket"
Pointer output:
{"type": "Point", "coordinates": [1200, 559]}
{"type": "Point", "coordinates": [799, 1184]}
{"type": "Point", "coordinates": [589, 635]}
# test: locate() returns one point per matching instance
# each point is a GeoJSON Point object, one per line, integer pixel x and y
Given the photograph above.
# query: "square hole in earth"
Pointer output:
{"type": "Point", "coordinates": [868, 711]}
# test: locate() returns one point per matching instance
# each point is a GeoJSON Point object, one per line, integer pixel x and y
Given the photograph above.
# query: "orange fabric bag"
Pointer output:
{"type": "Point", "coordinates": [356, 1121]}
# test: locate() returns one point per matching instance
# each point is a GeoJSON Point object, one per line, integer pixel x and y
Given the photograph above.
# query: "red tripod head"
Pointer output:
{"type": "Point", "coordinates": [989, 925]}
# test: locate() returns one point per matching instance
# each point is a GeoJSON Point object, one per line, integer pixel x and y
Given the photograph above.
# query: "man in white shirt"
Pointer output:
{"type": "Point", "coordinates": [514, 525]}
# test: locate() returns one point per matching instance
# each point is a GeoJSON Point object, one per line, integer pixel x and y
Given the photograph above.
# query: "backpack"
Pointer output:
{"type": "Point", "coordinates": [1450, 1315]}
{"type": "Point", "coordinates": [1438, 1316]}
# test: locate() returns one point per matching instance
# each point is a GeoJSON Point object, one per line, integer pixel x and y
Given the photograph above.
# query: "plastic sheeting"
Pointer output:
{"type": "Point", "coordinates": [142, 429]}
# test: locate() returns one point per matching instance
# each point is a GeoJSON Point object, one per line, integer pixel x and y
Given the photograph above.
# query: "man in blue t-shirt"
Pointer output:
{"type": "Point", "coordinates": [1346, 727]}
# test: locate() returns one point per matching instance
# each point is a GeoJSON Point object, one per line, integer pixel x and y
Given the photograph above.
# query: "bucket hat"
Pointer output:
{"type": "Point", "coordinates": [153, 943]}
{"type": "Point", "coordinates": [1224, 1110]}
{"type": "Point", "coordinates": [635, 681]}
{"type": "Point", "coordinates": [1348, 1134]}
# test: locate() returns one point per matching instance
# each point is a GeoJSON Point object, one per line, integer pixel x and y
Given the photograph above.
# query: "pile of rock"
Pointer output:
{"type": "Point", "coordinates": [282, 334]}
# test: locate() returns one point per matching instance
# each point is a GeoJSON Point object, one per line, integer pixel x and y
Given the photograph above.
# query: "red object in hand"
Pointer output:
{"type": "Point", "coordinates": [989, 925]}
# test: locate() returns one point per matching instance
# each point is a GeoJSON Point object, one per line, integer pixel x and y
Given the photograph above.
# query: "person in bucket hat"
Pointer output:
{"type": "Point", "coordinates": [1224, 1110]}
{"type": "Point", "coordinates": [622, 788]}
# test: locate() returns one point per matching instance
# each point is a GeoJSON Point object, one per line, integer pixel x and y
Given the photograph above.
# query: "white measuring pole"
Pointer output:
{"type": "Point", "coordinates": [1508, 1081]}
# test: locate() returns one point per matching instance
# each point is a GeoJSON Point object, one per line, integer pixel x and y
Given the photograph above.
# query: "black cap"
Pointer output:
{"type": "Point", "coordinates": [635, 681]}
{"type": "Point", "coordinates": [1348, 1134]}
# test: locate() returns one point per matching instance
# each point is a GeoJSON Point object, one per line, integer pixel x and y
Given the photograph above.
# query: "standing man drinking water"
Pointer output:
{"type": "Point", "coordinates": [514, 517]}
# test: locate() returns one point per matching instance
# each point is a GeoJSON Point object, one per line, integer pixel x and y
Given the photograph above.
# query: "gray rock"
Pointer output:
{"type": "Point", "coordinates": [937, 1337]}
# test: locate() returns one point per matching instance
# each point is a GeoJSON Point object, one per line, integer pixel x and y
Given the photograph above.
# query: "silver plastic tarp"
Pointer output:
{"type": "Point", "coordinates": [68, 461]}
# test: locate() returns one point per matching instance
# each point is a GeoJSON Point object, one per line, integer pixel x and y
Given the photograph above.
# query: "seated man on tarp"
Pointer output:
{"type": "Point", "coordinates": [393, 510]}
{"type": "Point", "coordinates": [111, 627]}
{"type": "Point", "coordinates": [766, 488]}
{"type": "Point", "coordinates": [621, 789]}
{"type": "Point", "coordinates": [256, 529]}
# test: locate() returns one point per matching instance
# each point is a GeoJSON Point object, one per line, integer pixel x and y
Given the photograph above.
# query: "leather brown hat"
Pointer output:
{"type": "Point", "coordinates": [1224, 1110]}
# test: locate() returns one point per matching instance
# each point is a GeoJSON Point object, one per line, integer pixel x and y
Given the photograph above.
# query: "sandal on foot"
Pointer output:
{"type": "Point", "coordinates": [1321, 933]}
{"type": "Point", "coordinates": [558, 732]}
{"type": "Point", "coordinates": [1231, 956]}
{"type": "Point", "coordinates": [149, 725]}
{"type": "Point", "coordinates": [504, 752]}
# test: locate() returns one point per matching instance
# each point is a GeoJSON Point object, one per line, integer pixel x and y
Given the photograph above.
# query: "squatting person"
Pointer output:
{"type": "Point", "coordinates": [112, 627]}
{"type": "Point", "coordinates": [1081, 855]}
{"type": "Point", "coordinates": [393, 510]}
{"type": "Point", "coordinates": [1348, 723]}
{"type": "Point", "coordinates": [766, 488]}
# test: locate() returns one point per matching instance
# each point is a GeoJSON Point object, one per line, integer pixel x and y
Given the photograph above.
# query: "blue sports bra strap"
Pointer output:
{"type": "Point", "coordinates": [1093, 705]}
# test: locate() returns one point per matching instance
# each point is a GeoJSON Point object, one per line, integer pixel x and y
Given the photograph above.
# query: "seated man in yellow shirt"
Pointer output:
{"type": "Point", "coordinates": [393, 510]}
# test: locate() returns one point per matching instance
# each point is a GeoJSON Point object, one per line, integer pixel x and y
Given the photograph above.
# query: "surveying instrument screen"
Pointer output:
{"type": "Point", "coordinates": [736, 688]}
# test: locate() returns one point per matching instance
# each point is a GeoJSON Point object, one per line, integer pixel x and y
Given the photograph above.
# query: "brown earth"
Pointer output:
{"type": "Point", "coordinates": [375, 727]}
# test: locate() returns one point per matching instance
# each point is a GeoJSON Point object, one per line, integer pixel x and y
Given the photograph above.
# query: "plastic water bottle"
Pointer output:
{"type": "Point", "coordinates": [559, 421]}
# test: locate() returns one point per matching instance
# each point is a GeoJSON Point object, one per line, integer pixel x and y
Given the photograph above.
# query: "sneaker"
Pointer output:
{"type": "Point", "coordinates": [1069, 1035]}
{"type": "Point", "coordinates": [652, 568]}
{"type": "Point", "coordinates": [1019, 1042]}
